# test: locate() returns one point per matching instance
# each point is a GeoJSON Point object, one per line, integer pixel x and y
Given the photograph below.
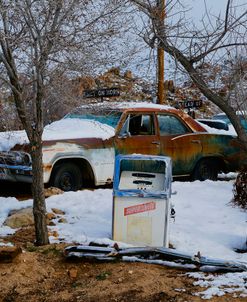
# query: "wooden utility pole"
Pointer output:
{"type": "Point", "coordinates": [160, 54]}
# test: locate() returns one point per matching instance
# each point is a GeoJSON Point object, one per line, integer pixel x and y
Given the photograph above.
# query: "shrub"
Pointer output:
{"type": "Point", "coordinates": [240, 190]}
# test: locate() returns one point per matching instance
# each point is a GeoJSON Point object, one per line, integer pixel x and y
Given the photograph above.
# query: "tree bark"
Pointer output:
{"type": "Point", "coordinates": [39, 206]}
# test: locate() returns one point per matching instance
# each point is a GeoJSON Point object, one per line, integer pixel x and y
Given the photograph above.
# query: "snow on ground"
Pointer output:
{"type": "Point", "coordinates": [205, 221]}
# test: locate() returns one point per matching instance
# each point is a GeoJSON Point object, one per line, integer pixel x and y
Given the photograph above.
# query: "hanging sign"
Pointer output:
{"type": "Point", "coordinates": [190, 104]}
{"type": "Point", "coordinates": [100, 93]}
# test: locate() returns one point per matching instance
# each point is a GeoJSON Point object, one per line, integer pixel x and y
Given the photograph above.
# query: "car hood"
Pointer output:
{"type": "Point", "coordinates": [69, 128]}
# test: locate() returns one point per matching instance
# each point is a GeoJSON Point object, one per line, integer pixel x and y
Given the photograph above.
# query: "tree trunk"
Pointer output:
{"type": "Point", "coordinates": [39, 207]}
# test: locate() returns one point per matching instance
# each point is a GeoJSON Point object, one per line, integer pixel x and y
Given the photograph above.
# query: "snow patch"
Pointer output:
{"type": "Point", "coordinates": [70, 128]}
{"type": "Point", "coordinates": [219, 285]}
{"type": "Point", "coordinates": [62, 129]}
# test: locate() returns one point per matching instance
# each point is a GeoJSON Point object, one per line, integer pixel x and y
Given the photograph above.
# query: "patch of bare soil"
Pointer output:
{"type": "Point", "coordinates": [43, 274]}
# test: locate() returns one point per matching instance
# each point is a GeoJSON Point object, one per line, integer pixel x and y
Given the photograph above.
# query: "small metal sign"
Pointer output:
{"type": "Point", "coordinates": [100, 93]}
{"type": "Point", "coordinates": [140, 208]}
{"type": "Point", "coordinates": [190, 104]}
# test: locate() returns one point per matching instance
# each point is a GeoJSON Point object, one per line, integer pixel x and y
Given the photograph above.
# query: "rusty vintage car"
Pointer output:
{"type": "Point", "coordinates": [81, 158]}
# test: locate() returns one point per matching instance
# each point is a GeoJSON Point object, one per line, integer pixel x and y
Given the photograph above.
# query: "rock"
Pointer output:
{"type": "Point", "coordinates": [57, 211]}
{"type": "Point", "coordinates": [21, 218]}
{"type": "Point", "coordinates": [8, 253]}
{"type": "Point", "coordinates": [62, 220]}
{"type": "Point", "coordinates": [83, 83]}
{"type": "Point", "coordinates": [53, 234]}
{"type": "Point", "coordinates": [73, 272]}
{"type": "Point", "coordinates": [128, 74]}
{"type": "Point", "coordinates": [50, 216]}
{"type": "Point", "coordinates": [114, 70]}
{"type": "Point", "coordinates": [52, 191]}
{"type": "Point", "coordinates": [12, 212]}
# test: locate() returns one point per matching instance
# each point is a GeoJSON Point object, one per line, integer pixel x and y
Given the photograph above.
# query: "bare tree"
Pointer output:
{"type": "Point", "coordinates": [36, 39]}
{"type": "Point", "coordinates": [213, 39]}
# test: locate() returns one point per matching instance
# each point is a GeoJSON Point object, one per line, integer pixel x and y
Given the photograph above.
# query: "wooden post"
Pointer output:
{"type": "Point", "coordinates": [160, 54]}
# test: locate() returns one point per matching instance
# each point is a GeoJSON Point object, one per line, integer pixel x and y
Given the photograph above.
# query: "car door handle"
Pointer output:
{"type": "Point", "coordinates": [156, 143]}
{"type": "Point", "coordinates": [195, 141]}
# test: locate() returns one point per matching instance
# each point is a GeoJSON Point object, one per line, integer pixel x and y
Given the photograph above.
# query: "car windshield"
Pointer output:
{"type": "Point", "coordinates": [105, 116]}
{"type": "Point", "coordinates": [222, 117]}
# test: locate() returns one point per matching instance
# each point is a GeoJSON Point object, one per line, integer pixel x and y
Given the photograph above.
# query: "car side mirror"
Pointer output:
{"type": "Point", "coordinates": [124, 135]}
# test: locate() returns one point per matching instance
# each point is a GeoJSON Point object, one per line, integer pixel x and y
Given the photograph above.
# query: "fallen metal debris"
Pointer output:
{"type": "Point", "coordinates": [150, 253]}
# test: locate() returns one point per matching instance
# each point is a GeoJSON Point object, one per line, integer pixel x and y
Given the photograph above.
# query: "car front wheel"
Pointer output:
{"type": "Point", "coordinates": [67, 177]}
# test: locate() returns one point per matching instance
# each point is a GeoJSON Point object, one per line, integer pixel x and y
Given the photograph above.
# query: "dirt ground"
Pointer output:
{"type": "Point", "coordinates": [43, 274]}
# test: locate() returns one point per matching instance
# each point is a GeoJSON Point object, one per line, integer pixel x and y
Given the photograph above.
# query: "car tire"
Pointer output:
{"type": "Point", "coordinates": [67, 177]}
{"type": "Point", "coordinates": [206, 169]}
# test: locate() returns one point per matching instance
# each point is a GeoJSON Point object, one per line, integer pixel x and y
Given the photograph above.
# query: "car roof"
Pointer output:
{"type": "Point", "coordinates": [144, 106]}
{"type": "Point", "coordinates": [124, 105]}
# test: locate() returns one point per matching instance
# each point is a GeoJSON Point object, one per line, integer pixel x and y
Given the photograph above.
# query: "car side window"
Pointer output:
{"type": "Point", "coordinates": [171, 125]}
{"type": "Point", "coordinates": [138, 124]}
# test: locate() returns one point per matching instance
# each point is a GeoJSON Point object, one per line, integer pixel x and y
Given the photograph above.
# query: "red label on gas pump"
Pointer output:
{"type": "Point", "coordinates": [140, 208]}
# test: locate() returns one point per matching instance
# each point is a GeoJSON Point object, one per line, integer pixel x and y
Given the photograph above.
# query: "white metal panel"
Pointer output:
{"type": "Point", "coordinates": [141, 221]}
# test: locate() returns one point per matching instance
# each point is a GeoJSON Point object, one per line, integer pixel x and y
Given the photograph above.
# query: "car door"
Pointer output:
{"type": "Point", "coordinates": [138, 135]}
{"type": "Point", "coordinates": [179, 142]}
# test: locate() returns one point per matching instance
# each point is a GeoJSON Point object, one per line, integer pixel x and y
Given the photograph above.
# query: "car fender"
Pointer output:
{"type": "Point", "coordinates": [101, 160]}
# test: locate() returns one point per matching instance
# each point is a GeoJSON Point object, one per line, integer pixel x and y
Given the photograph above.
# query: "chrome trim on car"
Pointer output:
{"type": "Point", "coordinates": [17, 158]}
